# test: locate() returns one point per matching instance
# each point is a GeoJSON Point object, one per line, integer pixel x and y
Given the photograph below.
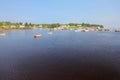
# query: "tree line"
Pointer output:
{"type": "Point", "coordinates": [9, 25]}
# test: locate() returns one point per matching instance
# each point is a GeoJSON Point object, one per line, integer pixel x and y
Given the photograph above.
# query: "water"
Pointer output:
{"type": "Point", "coordinates": [64, 55]}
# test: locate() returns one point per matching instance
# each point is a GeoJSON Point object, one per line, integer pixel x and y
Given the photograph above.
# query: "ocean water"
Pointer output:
{"type": "Point", "coordinates": [63, 55]}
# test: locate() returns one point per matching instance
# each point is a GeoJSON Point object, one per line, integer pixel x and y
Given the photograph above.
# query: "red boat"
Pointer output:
{"type": "Point", "coordinates": [37, 36]}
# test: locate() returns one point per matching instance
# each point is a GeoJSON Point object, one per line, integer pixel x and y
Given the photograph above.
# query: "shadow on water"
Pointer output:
{"type": "Point", "coordinates": [65, 65]}
{"type": "Point", "coordinates": [60, 57]}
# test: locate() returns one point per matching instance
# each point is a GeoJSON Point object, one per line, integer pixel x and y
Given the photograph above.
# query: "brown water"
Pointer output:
{"type": "Point", "coordinates": [64, 55]}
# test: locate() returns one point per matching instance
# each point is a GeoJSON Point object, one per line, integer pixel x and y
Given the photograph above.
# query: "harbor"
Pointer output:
{"type": "Point", "coordinates": [62, 55]}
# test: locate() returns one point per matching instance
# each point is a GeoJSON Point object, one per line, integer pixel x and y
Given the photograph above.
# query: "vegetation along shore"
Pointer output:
{"type": "Point", "coordinates": [55, 26]}
{"type": "Point", "coordinates": [84, 27]}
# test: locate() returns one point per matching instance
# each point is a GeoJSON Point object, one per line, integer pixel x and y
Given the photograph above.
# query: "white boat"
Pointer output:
{"type": "Point", "coordinates": [2, 34]}
{"type": "Point", "coordinates": [85, 30]}
{"type": "Point", "coordinates": [77, 30]}
{"type": "Point", "coordinates": [50, 32]}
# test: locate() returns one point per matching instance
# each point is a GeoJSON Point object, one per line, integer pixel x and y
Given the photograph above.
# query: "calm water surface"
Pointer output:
{"type": "Point", "coordinates": [64, 55]}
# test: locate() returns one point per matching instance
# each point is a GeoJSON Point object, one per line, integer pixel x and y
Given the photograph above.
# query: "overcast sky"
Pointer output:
{"type": "Point", "coordinates": [105, 12]}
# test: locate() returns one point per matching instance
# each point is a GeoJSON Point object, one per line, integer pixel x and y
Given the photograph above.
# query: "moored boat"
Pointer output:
{"type": "Point", "coordinates": [77, 30]}
{"type": "Point", "coordinates": [37, 36]}
{"type": "Point", "coordinates": [106, 29]}
{"type": "Point", "coordinates": [50, 33]}
{"type": "Point", "coordinates": [85, 30]}
{"type": "Point", "coordinates": [117, 30]}
{"type": "Point", "coordinates": [2, 34]}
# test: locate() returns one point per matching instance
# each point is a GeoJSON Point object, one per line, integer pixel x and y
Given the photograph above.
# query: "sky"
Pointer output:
{"type": "Point", "coordinates": [104, 12]}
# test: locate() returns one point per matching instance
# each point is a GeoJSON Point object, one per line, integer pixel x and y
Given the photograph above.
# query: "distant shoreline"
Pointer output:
{"type": "Point", "coordinates": [84, 27]}
{"type": "Point", "coordinates": [55, 26]}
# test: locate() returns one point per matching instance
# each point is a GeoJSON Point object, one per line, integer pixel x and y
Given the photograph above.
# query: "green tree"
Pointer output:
{"type": "Point", "coordinates": [20, 23]}
{"type": "Point", "coordinates": [54, 25]}
{"type": "Point", "coordinates": [6, 25]}
{"type": "Point", "coordinates": [72, 24]}
{"type": "Point", "coordinates": [26, 24]}
{"type": "Point", "coordinates": [1, 24]}
{"type": "Point", "coordinates": [17, 25]}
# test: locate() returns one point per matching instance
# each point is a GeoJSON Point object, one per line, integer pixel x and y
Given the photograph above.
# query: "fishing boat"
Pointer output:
{"type": "Point", "coordinates": [37, 36]}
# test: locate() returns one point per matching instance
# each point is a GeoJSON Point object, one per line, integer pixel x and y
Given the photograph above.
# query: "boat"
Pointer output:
{"type": "Point", "coordinates": [37, 36]}
{"type": "Point", "coordinates": [77, 30]}
{"type": "Point", "coordinates": [117, 30]}
{"type": "Point", "coordinates": [85, 30]}
{"type": "Point", "coordinates": [106, 29]}
{"type": "Point", "coordinates": [50, 33]}
{"type": "Point", "coordinates": [2, 34]}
